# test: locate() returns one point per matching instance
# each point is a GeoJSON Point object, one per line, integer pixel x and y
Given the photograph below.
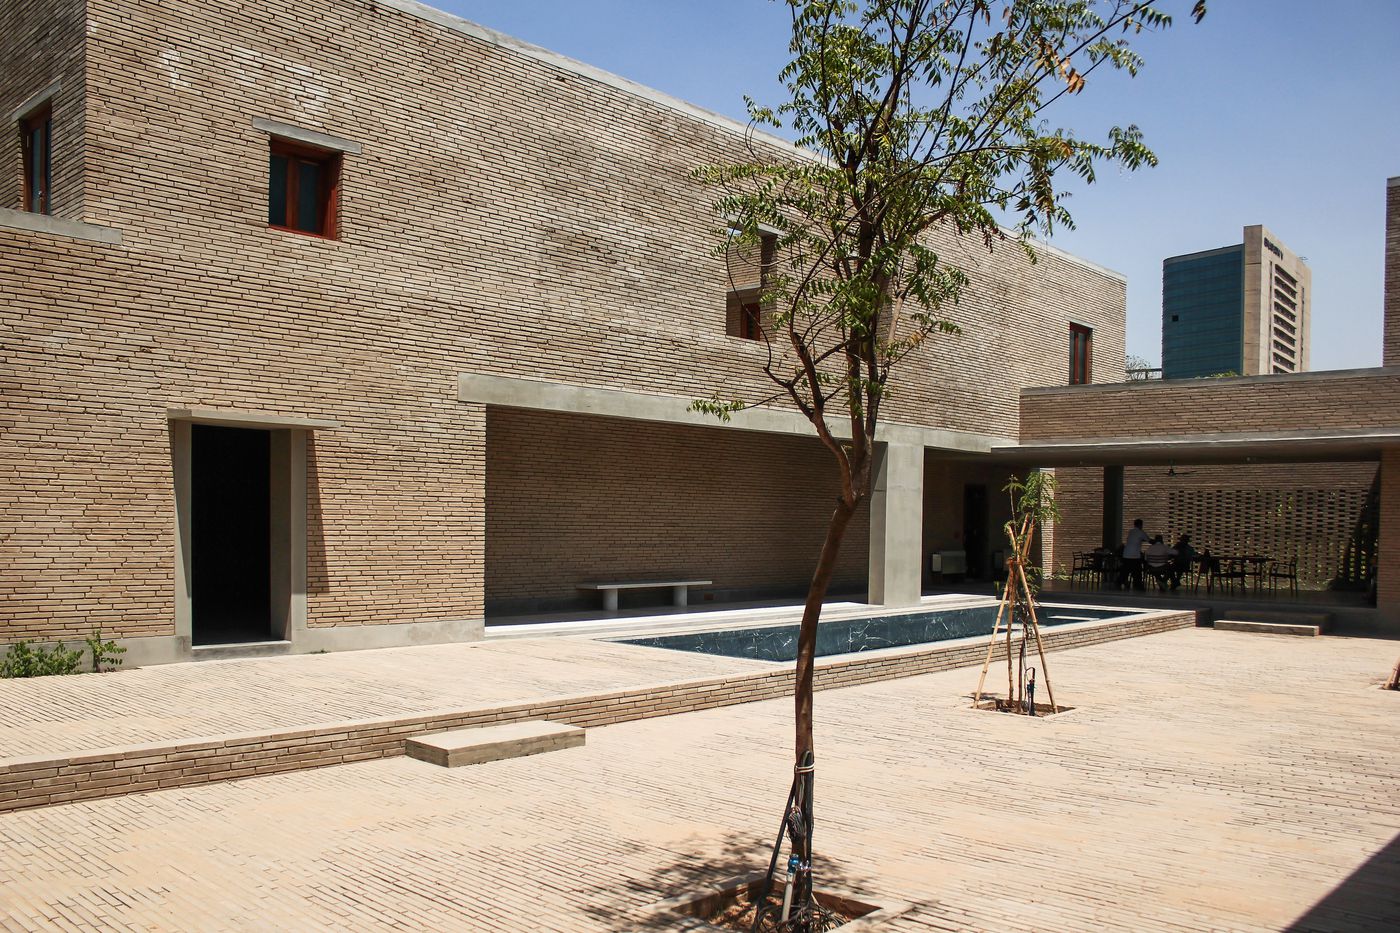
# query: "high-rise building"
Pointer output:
{"type": "Point", "coordinates": [1240, 309]}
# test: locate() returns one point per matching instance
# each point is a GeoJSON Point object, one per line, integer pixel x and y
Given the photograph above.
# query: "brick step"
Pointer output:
{"type": "Point", "coordinates": [493, 743]}
{"type": "Point", "coordinates": [1267, 628]}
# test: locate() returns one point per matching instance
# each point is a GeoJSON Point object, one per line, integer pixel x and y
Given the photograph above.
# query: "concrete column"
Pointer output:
{"type": "Point", "coordinates": [897, 525]}
{"type": "Point", "coordinates": [1112, 506]}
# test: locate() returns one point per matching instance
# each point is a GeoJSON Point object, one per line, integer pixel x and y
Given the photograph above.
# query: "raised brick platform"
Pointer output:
{"type": "Point", "coordinates": [46, 778]}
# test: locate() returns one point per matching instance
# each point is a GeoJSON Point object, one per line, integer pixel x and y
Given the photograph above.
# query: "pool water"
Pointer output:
{"type": "Point", "coordinates": [847, 636]}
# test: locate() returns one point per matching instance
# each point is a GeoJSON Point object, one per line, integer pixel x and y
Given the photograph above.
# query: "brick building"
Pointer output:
{"type": "Point", "coordinates": [346, 324]}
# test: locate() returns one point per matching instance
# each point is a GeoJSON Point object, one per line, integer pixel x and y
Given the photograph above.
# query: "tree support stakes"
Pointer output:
{"type": "Point", "coordinates": [1016, 595]}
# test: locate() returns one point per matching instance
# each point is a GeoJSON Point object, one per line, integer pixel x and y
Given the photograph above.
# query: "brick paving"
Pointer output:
{"type": "Point", "coordinates": [178, 701]}
{"type": "Point", "coordinates": [1205, 781]}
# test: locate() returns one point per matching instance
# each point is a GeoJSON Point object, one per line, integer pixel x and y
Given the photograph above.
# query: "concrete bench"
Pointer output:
{"type": "Point", "coordinates": [493, 743]}
{"type": "Point", "coordinates": [680, 590]}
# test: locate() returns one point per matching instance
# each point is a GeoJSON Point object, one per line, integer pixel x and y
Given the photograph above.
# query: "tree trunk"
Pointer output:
{"type": "Point", "coordinates": [811, 615]}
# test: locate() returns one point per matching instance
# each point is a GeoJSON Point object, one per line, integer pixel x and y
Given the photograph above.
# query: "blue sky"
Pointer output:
{"type": "Point", "coordinates": [1280, 112]}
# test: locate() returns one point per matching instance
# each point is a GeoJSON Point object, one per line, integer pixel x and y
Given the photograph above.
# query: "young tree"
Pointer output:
{"type": "Point", "coordinates": [917, 114]}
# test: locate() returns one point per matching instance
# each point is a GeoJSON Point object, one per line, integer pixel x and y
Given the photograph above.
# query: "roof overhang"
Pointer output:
{"type": "Point", "coordinates": [1282, 447]}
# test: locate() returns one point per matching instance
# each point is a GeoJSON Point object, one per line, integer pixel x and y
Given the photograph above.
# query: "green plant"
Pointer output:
{"type": "Point", "coordinates": [106, 655]}
{"type": "Point", "coordinates": [21, 660]}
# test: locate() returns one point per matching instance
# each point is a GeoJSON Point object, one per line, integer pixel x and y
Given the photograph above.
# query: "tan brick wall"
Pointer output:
{"type": "Point", "coordinates": [42, 41]}
{"type": "Point", "coordinates": [572, 498]}
{"type": "Point", "coordinates": [1361, 399]}
{"type": "Point", "coordinates": [518, 219]}
{"type": "Point", "coordinates": [1307, 512]}
{"type": "Point", "coordinates": [1392, 272]}
{"type": "Point", "coordinates": [1388, 581]}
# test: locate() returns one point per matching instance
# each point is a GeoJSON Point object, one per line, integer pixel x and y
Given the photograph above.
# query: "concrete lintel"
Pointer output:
{"type": "Point", "coordinates": [57, 226]}
{"type": "Point", "coordinates": [511, 392]}
{"type": "Point", "coordinates": [34, 101]}
{"type": "Point", "coordinates": [309, 137]}
{"type": "Point", "coordinates": [234, 418]}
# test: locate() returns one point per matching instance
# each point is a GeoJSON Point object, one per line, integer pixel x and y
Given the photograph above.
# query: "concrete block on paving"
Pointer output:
{"type": "Point", "coordinates": [1267, 628]}
{"type": "Point", "coordinates": [493, 743]}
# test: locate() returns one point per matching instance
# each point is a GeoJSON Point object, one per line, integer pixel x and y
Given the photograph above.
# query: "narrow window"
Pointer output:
{"type": "Point", "coordinates": [36, 130]}
{"type": "Point", "coordinates": [746, 268]}
{"type": "Point", "coordinates": [751, 319]}
{"type": "Point", "coordinates": [1081, 341]}
{"type": "Point", "coordinates": [303, 189]}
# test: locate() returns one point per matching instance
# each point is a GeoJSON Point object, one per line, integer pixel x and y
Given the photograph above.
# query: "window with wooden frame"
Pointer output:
{"type": "Point", "coordinates": [36, 131]}
{"type": "Point", "coordinates": [1081, 347]}
{"type": "Point", "coordinates": [745, 315]}
{"type": "Point", "coordinates": [303, 190]}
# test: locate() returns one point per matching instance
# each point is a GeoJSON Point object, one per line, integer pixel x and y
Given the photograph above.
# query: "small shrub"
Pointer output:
{"type": "Point", "coordinates": [25, 661]}
{"type": "Point", "coordinates": [106, 655]}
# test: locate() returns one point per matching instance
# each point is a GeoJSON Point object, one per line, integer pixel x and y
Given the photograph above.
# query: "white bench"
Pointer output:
{"type": "Point", "coordinates": [680, 590]}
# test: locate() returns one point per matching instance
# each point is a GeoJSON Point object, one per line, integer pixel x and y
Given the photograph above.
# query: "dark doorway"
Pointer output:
{"type": "Point", "coordinates": [231, 556]}
{"type": "Point", "coordinates": [975, 529]}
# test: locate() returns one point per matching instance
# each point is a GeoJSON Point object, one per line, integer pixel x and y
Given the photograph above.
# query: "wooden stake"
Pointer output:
{"type": "Point", "coordinates": [1040, 648]}
{"type": "Point", "coordinates": [991, 646]}
{"type": "Point", "coordinates": [1011, 618]}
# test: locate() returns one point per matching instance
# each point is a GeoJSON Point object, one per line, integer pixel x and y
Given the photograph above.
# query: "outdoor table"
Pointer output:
{"type": "Point", "coordinates": [1253, 567]}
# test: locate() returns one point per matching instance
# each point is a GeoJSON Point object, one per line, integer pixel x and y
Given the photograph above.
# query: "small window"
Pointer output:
{"type": "Point", "coordinates": [744, 315]}
{"type": "Point", "coordinates": [1081, 342]}
{"type": "Point", "coordinates": [746, 269]}
{"type": "Point", "coordinates": [303, 189]}
{"type": "Point", "coordinates": [37, 132]}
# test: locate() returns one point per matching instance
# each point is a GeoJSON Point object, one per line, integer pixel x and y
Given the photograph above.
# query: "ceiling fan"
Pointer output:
{"type": "Point", "coordinates": [1173, 471]}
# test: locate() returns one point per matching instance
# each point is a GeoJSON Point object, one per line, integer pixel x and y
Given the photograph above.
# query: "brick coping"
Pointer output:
{"type": "Point", "coordinates": [48, 779]}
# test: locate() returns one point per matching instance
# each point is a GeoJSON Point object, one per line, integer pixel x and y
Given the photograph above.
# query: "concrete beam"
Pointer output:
{"type": "Point", "coordinates": [34, 101]}
{"type": "Point", "coordinates": [57, 226]}
{"type": "Point", "coordinates": [897, 526]}
{"type": "Point", "coordinates": [510, 392]}
{"type": "Point", "coordinates": [236, 418]}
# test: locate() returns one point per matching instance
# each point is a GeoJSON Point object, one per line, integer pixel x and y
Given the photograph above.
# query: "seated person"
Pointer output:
{"type": "Point", "coordinates": [1159, 561]}
{"type": "Point", "coordinates": [1185, 559]}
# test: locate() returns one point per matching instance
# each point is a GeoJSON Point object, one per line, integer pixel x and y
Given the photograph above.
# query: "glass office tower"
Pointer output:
{"type": "Point", "coordinates": [1239, 309]}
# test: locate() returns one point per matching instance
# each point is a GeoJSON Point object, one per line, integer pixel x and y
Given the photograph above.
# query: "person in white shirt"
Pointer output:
{"type": "Point", "coordinates": [1160, 562]}
{"type": "Point", "coordinates": [1132, 557]}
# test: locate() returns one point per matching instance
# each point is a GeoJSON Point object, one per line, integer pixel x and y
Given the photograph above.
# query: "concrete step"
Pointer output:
{"type": "Point", "coordinates": [493, 743]}
{"type": "Point", "coordinates": [1323, 620]}
{"type": "Point", "coordinates": [1266, 628]}
{"type": "Point", "coordinates": [242, 649]}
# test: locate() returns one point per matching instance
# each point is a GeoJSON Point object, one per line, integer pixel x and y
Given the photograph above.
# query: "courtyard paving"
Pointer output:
{"type": "Point", "coordinates": [1205, 781]}
{"type": "Point", "coordinates": [206, 698]}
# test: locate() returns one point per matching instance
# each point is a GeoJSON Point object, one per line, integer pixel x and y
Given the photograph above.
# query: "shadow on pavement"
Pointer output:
{"type": "Point", "coordinates": [1369, 898]}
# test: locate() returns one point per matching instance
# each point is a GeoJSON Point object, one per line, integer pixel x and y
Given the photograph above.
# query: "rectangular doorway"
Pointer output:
{"type": "Point", "coordinates": [231, 535]}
